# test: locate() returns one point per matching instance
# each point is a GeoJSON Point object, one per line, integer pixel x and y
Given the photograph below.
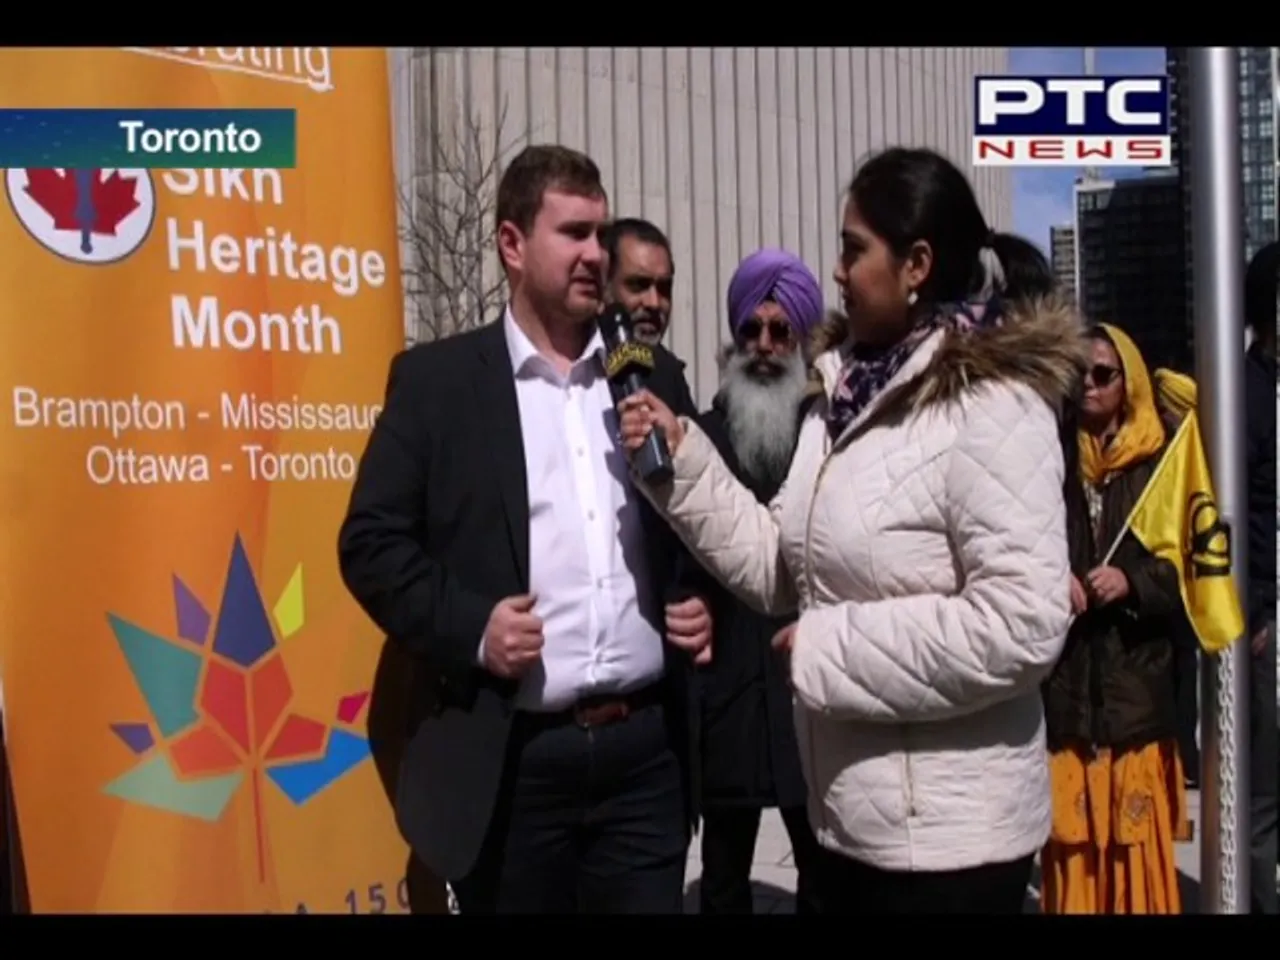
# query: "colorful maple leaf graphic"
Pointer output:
{"type": "Point", "coordinates": [84, 200]}
{"type": "Point", "coordinates": [221, 709]}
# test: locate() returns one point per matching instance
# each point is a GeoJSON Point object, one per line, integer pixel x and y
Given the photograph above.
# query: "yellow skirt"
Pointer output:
{"type": "Point", "coordinates": [1115, 821]}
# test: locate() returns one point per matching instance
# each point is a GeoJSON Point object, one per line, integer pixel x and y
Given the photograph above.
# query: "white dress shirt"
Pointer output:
{"type": "Point", "coordinates": [588, 566]}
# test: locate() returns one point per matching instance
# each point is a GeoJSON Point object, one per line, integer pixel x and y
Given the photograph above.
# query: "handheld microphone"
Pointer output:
{"type": "Point", "coordinates": [628, 363]}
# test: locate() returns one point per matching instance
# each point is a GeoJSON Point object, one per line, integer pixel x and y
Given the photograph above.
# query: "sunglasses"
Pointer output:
{"type": "Point", "coordinates": [779, 330]}
{"type": "Point", "coordinates": [1101, 375]}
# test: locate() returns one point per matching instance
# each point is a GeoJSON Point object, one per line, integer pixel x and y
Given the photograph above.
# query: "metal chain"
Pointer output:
{"type": "Point", "coordinates": [1228, 792]}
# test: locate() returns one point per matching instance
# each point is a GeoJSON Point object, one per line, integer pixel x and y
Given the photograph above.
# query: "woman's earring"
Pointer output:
{"type": "Point", "coordinates": [912, 297]}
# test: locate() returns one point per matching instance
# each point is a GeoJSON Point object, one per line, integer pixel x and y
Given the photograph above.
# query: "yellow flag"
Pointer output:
{"type": "Point", "coordinates": [1177, 518]}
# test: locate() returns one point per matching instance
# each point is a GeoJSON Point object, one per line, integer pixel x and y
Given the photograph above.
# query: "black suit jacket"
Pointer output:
{"type": "Point", "coordinates": [436, 533]}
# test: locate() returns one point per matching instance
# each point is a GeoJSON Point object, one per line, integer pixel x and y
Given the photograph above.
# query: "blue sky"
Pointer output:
{"type": "Point", "coordinates": [1042, 198]}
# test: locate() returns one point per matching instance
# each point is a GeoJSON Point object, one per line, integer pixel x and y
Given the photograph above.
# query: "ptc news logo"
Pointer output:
{"type": "Point", "coordinates": [1071, 122]}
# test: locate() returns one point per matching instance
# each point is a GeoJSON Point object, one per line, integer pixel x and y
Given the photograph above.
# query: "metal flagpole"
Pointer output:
{"type": "Point", "coordinates": [1217, 240]}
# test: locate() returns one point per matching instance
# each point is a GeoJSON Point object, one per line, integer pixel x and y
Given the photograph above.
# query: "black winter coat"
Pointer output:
{"type": "Point", "coordinates": [1113, 685]}
{"type": "Point", "coordinates": [748, 738]}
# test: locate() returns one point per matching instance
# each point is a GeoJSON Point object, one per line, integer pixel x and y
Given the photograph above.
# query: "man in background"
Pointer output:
{"type": "Point", "coordinates": [641, 275]}
{"type": "Point", "coordinates": [1260, 425]}
{"type": "Point", "coordinates": [750, 758]}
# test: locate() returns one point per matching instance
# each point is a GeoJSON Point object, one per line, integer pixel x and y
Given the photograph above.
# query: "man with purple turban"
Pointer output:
{"type": "Point", "coordinates": [750, 761]}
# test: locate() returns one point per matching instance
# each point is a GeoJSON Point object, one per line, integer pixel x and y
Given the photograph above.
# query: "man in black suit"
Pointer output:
{"type": "Point", "coordinates": [494, 534]}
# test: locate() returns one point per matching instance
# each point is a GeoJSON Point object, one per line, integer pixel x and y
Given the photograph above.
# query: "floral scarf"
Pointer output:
{"type": "Point", "coordinates": [868, 370]}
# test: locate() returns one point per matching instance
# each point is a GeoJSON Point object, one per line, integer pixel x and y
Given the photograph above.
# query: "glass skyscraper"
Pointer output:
{"type": "Point", "coordinates": [1258, 149]}
{"type": "Point", "coordinates": [1258, 146]}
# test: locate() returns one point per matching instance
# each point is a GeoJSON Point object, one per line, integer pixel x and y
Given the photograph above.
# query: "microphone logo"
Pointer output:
{"type": "Point", "coordinates": [626, 354]}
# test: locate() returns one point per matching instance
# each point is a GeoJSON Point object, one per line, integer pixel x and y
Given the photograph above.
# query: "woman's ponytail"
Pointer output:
{"type": "Point", "coordinates": [1027, 274]}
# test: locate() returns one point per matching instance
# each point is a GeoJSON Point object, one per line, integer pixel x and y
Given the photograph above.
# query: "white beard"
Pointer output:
{"type": "Point", "coordinates": [762, 413]}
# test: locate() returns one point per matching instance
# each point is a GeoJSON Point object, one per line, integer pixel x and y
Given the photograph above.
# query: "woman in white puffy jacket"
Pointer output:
{"type": "Point", "coordinates": [921, 535]}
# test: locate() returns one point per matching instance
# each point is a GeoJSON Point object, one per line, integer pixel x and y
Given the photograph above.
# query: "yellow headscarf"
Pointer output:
{"type": "Point", "coordinates": [1175, 392]}
{"type": "Point", "coordinates": [1141, 434]}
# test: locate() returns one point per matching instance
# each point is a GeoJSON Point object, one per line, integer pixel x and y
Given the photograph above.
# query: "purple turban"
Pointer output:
{"type": "Point", "coordinates": [775, 275]}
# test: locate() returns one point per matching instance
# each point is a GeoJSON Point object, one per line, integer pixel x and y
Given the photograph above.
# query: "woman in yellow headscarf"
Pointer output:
{"type": "Point", "coordinates": [1119, 800]}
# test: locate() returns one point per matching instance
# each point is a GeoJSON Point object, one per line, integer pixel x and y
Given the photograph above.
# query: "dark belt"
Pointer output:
{"type": "Point", "coordinates": [598, 710]}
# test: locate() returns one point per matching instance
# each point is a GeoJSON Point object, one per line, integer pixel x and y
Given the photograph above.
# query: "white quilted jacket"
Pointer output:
{"type": "Point", "coordinates": [926, 552]}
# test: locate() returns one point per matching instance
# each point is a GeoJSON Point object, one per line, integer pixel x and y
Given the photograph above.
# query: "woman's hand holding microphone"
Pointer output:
{"type": "Point", "coordinates": [639, 413]}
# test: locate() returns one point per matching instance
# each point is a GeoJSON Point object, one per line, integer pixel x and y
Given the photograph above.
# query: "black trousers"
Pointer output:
{"type": "Point", "coordinates": [590, 820]}
{"type": "Point", "coordinates": [427, 893]}
{"type": "Point", "coordinates": [849, 887]}
{"type": "Point", "coordinates": [728, 848]}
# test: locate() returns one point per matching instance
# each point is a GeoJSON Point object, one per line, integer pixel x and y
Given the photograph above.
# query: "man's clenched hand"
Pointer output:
{"type": "Point", "coordinates": [689, 626]}
{"type": "Point", "coordinates": [513, 637]}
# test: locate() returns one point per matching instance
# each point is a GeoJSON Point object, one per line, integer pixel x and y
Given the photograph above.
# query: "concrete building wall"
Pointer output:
{"type": "Point", "coordinates": [727, 149]}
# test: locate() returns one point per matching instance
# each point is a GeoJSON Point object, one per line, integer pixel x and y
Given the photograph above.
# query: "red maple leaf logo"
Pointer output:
{"type": "Point", "coordinates": [84, 200]}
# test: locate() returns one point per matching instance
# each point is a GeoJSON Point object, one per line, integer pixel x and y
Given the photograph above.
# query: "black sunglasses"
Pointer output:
{"type": "Point", "coordinates": [1101, 375]}
{"type": "Point", "coordinates": [779, 330]}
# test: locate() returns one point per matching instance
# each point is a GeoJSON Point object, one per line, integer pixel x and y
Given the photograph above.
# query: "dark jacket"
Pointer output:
{"type": "Point", "coordinates": [1260, 427]}
{"type": "Point", "coordinates": [1113, 685]}
{"type": "Point", "coordinates": [748, 738]}
{"type": "Point", "coordinates": [437, 531]}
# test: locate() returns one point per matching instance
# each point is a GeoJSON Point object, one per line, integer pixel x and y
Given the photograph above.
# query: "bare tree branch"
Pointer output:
{"type": "Point", "coordinates": [451, 275]}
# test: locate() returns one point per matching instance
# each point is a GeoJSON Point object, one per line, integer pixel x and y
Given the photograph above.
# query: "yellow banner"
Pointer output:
{"type": "Point", "coordinates": [1177, 518]}
{"type": "Point", "coordinates": [191, 362]}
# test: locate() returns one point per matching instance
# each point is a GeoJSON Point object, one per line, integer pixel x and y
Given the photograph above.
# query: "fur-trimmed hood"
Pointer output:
{"type": "Point", "coordinates": [1041, 344]}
